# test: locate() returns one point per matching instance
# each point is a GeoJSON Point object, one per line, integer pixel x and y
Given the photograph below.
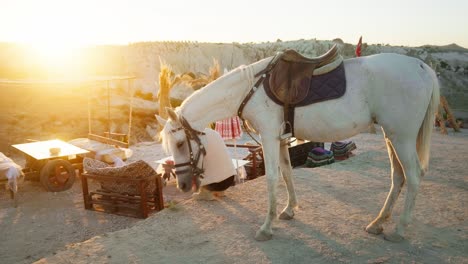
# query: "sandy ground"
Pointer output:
{"type": "Point", "coordinates": [336, 202]}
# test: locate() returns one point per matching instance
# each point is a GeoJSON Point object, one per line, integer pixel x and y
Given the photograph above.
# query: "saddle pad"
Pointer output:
{"type": "Point", "coordinates": [323, 87]}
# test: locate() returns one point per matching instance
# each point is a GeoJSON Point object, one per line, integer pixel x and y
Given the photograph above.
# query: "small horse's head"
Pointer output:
{"type": "Point", "coordinates": [186, 146]}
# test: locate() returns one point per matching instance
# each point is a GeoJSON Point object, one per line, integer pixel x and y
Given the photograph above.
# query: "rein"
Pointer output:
{"type": "Point", "coordinates": [263, 73]}
{"type": "Point", "coordinates": [191, 134]}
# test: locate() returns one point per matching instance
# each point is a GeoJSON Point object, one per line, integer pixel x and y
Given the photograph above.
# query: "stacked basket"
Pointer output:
{"type": "Point", "coordinates": [319, 157]}
{"type": "Point", "coordinates": [342, 149]}
{"type": "Point", "coordinates": [339, 150]}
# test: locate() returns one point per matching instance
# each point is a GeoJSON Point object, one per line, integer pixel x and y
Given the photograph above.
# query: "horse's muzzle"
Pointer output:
{"type": "Point", "coordinates": [183, 186]}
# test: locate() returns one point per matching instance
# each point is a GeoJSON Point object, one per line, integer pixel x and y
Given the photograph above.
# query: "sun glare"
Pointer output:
{"type": "Point", "coordinates": [53, 54]}
{"type": "Point", "coordinates": [51, 32]}
{"type": "Point", "coordinates": [58, 59]}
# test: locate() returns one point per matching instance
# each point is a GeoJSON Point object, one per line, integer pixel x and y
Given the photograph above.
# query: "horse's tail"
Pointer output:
{"type": "Point", "coordinates": [423, 142]}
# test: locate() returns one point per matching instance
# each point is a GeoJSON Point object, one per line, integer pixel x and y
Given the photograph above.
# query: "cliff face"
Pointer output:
{"type": "Point", "coordinates": [40, 111]}
{"type": "Point", "coordinates": [142, 59]}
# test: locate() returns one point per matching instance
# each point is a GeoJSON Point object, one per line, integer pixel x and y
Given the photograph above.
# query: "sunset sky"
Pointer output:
{"type": "Point", "coordinates": [67, 23]}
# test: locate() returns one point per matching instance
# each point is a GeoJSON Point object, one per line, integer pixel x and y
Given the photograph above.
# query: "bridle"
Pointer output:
{"type": "Point", "coordinates": [192, 164]}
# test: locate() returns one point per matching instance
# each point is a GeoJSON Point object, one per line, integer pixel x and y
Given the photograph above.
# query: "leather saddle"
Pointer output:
{"type": "Point", "coordinates": [290, 76]}
{"type": "Point", "coordinates": [294, 80]}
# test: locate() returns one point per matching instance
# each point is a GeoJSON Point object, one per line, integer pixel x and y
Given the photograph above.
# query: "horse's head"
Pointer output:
{"type": "Point", "coordinates": [186, 146]}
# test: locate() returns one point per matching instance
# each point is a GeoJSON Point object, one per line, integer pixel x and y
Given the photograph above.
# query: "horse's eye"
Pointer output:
{"type": "Point", "coordinates": [180, 144]}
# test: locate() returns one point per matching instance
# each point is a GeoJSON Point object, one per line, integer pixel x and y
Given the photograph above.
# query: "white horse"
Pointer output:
{"type": "Point", "coordinates": [398, 92]}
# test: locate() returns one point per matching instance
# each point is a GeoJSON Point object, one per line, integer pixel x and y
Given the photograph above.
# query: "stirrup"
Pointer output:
{"type": "Point", "coordinates": [287, 141]}
{"type": "Point", "coordinates": [285, 136]}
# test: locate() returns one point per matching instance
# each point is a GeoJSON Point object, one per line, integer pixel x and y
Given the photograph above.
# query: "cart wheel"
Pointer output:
{"type": "Point", "coordinates": [57, 175]}
{"type": "Point", "coordinates": [33, 168]}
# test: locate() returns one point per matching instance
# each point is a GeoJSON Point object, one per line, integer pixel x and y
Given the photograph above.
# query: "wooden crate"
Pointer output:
{"type": "Point", "coordinates": [139, 205]}
{"type": "Point", "coordinates": [256, 165]}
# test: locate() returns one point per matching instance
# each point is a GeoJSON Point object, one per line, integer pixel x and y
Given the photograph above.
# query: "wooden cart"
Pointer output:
{"type": "Point", "coordinates": [55, 170]}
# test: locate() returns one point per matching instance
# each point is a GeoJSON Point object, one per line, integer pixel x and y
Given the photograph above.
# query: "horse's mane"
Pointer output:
{"type": "Point", "coordinates": [164, 137]}
{"type": "Point", "coordinates": [164, 140]}
{"type": "Point", "coordinates": [242, 70]}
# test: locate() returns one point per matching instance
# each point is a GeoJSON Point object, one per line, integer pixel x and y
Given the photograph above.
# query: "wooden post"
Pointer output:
{"type": "Point", "coordinates": [159, 198]}
{"type": "Point", "coordinates": [440, 120]}
{"type": "Point", "coordinates": [450, 117]}
{"type": "Point", "coordinates": [131, 94]}
{"type": "Point", "coordinates": [89, 109]}
{"type": "Point", "coordinates": [84, 185]}
{"type": "Point", "coordinates": [144, 200]}
{"type": "Point", "coordinates": [444, 106]}
{"type": "Point", "coordinates": [108, 109]}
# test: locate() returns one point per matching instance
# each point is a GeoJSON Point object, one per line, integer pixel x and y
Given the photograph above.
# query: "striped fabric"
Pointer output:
{"type": "Point", "coordinates": [319, 157]}
{"type": "Point", "coordinates": [342, 148]}
{"type": "Point", "coordinates": [229, 128]}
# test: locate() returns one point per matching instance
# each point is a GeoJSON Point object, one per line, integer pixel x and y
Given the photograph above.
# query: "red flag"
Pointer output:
{"type": "Point", "coordinates": [358, 47]}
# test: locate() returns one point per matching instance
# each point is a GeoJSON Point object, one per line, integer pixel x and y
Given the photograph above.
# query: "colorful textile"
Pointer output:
{"type": "Point", "coordinates": [342, 148]}
{"type": "Point", "coordinates": [229, 128]}
{"type": "Point", "coordinates": [319, 157]}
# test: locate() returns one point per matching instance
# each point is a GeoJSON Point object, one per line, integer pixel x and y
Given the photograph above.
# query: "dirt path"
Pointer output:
{"type": "Point", "coordinates": [336, 202]}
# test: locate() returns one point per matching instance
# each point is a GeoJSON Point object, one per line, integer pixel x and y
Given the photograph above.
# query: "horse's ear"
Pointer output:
{"type": "Point", "coordinates": [161, 120]}
{"type": "Point", "coordinates": [172, 115]}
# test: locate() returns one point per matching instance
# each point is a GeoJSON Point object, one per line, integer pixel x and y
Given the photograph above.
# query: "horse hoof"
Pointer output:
{"type": "Point", "coordinates": [203, 197]}
{"type": "Point", "coordinates": [374, 229]}
{"type": "Point", "coordinates": [394, 237]}
{"type": "Point", "coordinates": [219, 194]}
{"type": "Point", "coordinates": [285, 216]}
{"type": "Point", "coordinates": [263, 235]}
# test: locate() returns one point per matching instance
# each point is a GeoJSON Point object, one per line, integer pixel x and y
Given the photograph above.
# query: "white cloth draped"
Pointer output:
{"type": "Point", "coordinates": [217, 162]}
{"type": "Point", "coordinates": [10, 171]}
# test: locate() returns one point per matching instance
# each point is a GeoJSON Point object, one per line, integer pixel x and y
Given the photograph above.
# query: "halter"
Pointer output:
{"type": "Point", "coordinates": [191, 134]}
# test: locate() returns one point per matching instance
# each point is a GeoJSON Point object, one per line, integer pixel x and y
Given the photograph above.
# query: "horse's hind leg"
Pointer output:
{"type": "Point", "coordinates": [398, 180]}
{"type": "Point", "coordinates": [286, 170]}
{"type": "Point", "coordinates": [409, 160]}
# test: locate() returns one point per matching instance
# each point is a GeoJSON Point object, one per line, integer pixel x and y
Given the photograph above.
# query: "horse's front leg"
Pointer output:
{"type": "Point", "coordinates": [286, 171]}
{"type": "Point", "coordinates": [271, 156]}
